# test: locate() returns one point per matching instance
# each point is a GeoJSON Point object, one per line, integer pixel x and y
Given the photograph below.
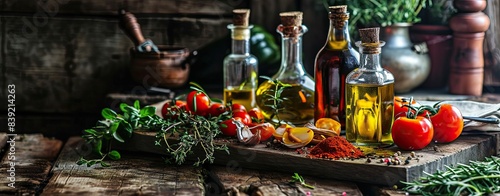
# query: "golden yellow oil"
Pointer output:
{"type": "Point", "coordinates": [245, 97]}
{"type": "Point", "coordinates": [369, 114]}
{"type": "Point", "coordinates": [296, 108]}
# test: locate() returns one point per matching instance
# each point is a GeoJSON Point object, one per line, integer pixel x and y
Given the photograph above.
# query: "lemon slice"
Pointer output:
{"type": "Point", "coordinates": [297, 137]}
{"type": "Point", "coordinates": [278, 133]}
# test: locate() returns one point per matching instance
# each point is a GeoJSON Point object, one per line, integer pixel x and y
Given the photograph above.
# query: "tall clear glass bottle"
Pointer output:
{"type": "Point", "coordinates": [240, 67]}
{"type": "Point", "coordinates": [297, 98]}
{"type": "Point", "coordinates": [333, 62]}
{"type": "Point", "coordinates": [369, 95]}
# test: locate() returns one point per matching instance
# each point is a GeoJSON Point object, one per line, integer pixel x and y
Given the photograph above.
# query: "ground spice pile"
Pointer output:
{"type": "Point", "coordinates": [335, 147]}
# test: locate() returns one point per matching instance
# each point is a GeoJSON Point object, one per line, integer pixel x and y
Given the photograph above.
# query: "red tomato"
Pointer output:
{"type": "Point", "coordinates": [245, 118]}
{"type": "Point", "coordinates": [256, 115]}
{"type": "Point", "coordinates": [216, 109]}
{"type": "Point", "coordinates": [412, 134]}
{"type": "Point", "coordinates": [401, 110]}
{"type": "Point", "coordinates": [228, 127]}
{"type": "Point", "coordinates": [448, 123]}
{"type": "Point", "coordinates": [266, 130]}
{"type": "Point", "coordinates": [238, 107]}
{"type": "Point", "coordinates": [168, 106]}
{"type": "Point", "coordinates": [198, 103]}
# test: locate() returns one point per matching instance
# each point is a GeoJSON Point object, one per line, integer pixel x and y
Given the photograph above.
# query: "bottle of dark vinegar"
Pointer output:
{"type": "Point", "coordinates": [333, 62]}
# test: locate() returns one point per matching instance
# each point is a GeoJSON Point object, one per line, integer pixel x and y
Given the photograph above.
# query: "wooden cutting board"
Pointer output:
{"type": "Point", "coordinates": [470, 147]}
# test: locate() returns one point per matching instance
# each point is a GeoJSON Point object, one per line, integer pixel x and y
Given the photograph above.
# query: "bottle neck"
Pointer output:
{"type": "Point", "coordinates": [240, 47]}
{"type": "Point", "coordinates": [291, 52]}
{"type": "Point", "coordinates": [240, 36]}
{"type": "Point", "coordinates": [370, 55]}
{"type": "Point", "coordinates": [338, 34]}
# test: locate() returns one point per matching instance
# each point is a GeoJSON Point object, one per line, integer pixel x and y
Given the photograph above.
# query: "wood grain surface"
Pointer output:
{"type": "Point", "coordinates": [34, 157]}
{"type": "Point", "coordinates": [134, 174]}
{"type": "Point", "coordinates": [430, 159]}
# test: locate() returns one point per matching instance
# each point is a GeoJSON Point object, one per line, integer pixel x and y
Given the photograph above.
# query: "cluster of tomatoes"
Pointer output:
{"type": "Point", "coordinates": [198, 103]}
{"type": "Point", "coordinates": [416, 126]}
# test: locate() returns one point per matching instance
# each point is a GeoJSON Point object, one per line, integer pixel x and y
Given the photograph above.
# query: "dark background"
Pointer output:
{"type": "Point", "coordinates": [68, 58]}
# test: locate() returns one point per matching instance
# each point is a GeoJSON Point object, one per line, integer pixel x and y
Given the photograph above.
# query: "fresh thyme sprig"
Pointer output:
{"type": "Point", "coordinates": [189, 130]}
{"type": "Point", "coordinates": [297, 178]}
{"type": "Point", "coordinates": [477, 178]}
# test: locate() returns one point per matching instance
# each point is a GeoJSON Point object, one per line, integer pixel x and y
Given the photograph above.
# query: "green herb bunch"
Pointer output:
{"type": "Point", "coordinates": [180, 135]}
{"type": "Point", "coordinates": [477, 178]}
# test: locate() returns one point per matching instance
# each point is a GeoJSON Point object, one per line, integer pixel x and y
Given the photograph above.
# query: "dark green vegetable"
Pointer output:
{"type": "Point", "coordinates": [477, 178]}
{"type": "Point", "coordinates": [263, 46]}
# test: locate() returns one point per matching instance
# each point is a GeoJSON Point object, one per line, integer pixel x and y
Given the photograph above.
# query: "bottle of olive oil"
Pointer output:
{"type": "Point", "coordinates": [333, 62]}
{"type": "Point", "coordinates": [240, 67]}
{"type": "Point", "coordinates": [369, 95]}
{"type": "Point", "coordinates": [291, 84]}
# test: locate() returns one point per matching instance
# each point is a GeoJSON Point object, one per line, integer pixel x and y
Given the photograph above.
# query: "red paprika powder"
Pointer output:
{"type": "Point", "coordinates": [336, 147]}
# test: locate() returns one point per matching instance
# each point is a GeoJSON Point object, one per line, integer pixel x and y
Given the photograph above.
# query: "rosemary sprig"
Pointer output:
{"type": "Point", "coordinates": [297, 178]}
{"type": "Point", "coordinates": [273, 96]}
{"type": "Point", "coordinates": [477, 178]}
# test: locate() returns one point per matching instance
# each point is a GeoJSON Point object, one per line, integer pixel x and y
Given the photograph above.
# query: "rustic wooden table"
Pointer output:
{"type": "Point", "coordinates": [47, 166]}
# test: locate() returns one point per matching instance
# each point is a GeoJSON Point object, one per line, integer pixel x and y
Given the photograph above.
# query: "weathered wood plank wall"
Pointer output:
{"type": "Point", "coordinates": [65, 56]}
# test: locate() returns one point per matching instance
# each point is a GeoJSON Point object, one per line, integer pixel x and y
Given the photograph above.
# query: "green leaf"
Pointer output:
{"type": "Point", "coordinates": [114, 127]}
{"type": "Point", "coordinates": [147, 111]}
{"type": "Point", "coordinates": [81, 161]}
{"type": "Point", "coordinates": [123, 106]}
{"type": "Point", "coordinates": [108, 114]}
{"type": "Point", "coordinates": [90, 163]}
{"type": "Point", "coordinates": [90, 131]}
{"type": "Point", "coordinates": [137, 105]}
{"type": "Point", "coordinates": [118, 137]}
{"type": "Point", "coordinates": [97, 147]}
{"type": "Point", "coordinates": [128, 128]}
{"type": "Point", "coordinates": [104, 164]}
{"type": "Point", "coordinates": [115, 155]}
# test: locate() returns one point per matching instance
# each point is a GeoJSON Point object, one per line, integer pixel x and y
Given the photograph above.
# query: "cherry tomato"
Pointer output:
{"type": "Point", "coordinates": [179, 105]}
{"type": "Point", "coordinates": [198, 103]}
{"type": "Point", "coordinates": [401, 110]}
{"type": "Point", "coordinates": [245, 118]}
{"type": "Point", "coordinates": [216, 109]}
{"type": "Point", "coordinates": [266, 130]}
{"type": "Point", "coordinates": [256, 115]}
{"type": "Point", "coordinates": [448, 123]}
{"type": "Point", "coordinates": [238, 107]}
{"type": "Point", "coordinates": [228, 127]}
{"type": "Point", "coordinates": [412, 134]}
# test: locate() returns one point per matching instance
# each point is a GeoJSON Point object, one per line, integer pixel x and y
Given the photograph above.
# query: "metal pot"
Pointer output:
{"type": "Point", "coordinates": [168, 68]}
{"type": "Point", "coordinates": [409, 63]}
{"type": "Point", "coordinates": [154, 65]}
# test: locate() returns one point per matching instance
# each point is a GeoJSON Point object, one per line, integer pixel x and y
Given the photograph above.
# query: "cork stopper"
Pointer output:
{"type": "Point", "coordinates": [369, 35]}
{"type": "Point", "coordinates": [338, 9]}
{"type": "Point", "coordinates": [240, 17]}
{"type": "Point", "coordinates": [291, 18]}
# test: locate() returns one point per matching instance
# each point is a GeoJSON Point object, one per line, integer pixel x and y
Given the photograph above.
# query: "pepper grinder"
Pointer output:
{"type": "Point", "coordinates": [467, 60]}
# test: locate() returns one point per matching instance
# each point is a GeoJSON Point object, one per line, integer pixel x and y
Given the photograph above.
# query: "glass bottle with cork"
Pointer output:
{"type": "Point", "coordinates": [291, 89]}
{"type": "Point", "coordinates": [333, 62]}
{"type": "Point", "coordinates": [240, 67]}
{"type": "Point", "coordinates": [369, 95]}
